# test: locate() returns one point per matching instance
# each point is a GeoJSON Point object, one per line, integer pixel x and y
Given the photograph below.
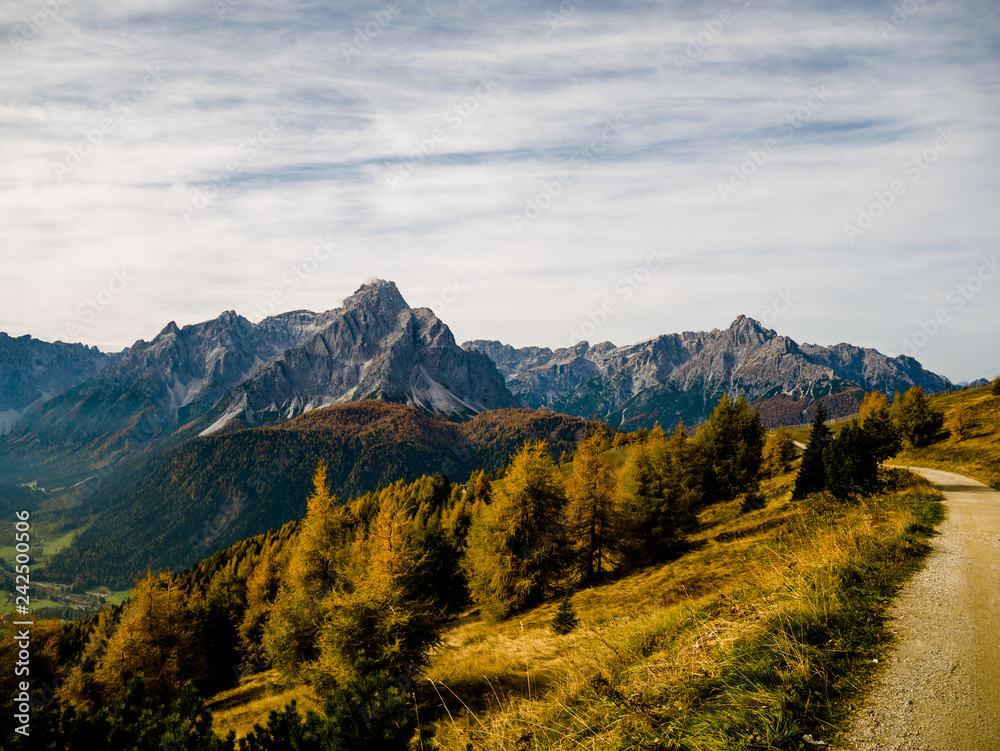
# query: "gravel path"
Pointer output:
{"type": "Point", "coordinates": [941, 687]}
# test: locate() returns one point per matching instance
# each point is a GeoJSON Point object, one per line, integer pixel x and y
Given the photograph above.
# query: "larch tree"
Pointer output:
{"type": "Point", "coordinates": [384, 613]}
{"type": "Point", "coordinates": [154, 638]}
{"type": "Point", "coordinates": [590, 496]}
{"type": "Point", "coordinates": [873, 401]}
{"type": "Point", "coordinates": [779, 450]}
{"type": "Point", "coordinates": [516, 543]}
{"type": "Point", "coordinates": [320, 557]}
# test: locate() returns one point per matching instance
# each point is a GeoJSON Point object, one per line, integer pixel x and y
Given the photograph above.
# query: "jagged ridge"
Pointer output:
{"type": "Point", "coordinates": [680, 375]}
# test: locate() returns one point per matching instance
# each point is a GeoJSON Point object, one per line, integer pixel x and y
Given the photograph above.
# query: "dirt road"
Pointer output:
{"type": "Point", "coordinates": [941, 687]}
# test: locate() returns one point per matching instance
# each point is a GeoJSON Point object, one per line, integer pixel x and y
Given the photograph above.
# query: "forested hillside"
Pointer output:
{"type": "Point", "coordinates": [175, 508]}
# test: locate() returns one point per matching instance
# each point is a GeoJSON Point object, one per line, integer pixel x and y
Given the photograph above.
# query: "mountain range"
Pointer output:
{"type": "Point", "coordinates": [209, 433]}
{"type": "Point", "coordinates": [69, 409]}
{"type": "Point", "coordinates": [681, 376]}
{"type": "Point", "coordinates": [175, 506]}
{"type": "Point", "coordinates": [229, 373]}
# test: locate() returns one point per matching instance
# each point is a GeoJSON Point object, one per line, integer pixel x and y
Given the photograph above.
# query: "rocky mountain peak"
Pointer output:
{"type": "Point", "coordinates": [377, 295]}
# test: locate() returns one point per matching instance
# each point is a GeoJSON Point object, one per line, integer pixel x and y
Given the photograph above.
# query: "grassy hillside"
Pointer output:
{"type": "Point", "coordinates": [978, 455]}
{"type": "Point", "coordinates": [765, 629]}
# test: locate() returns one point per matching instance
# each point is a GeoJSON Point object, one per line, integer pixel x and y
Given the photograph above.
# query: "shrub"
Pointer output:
{"type": "Point", "coordinates": [564, 620]}
{"type": "Point", "coordinates": [753, 502]}
{"type": "Point", "coordinates": [960, 425]}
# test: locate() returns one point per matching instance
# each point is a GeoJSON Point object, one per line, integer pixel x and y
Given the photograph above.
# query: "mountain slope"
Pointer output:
{"type": "Point", "coordinates": [33, 371]}
{"type": "Point", "coordinates": [681, 376]}
{"type": "Point", "coordinates": [184, 503]}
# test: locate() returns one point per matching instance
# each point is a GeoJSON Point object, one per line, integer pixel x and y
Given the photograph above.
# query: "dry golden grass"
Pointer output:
{"type": "Point", "coordinates": [652, 634]}
{"type": "Point", "coordinates": [250, 703]}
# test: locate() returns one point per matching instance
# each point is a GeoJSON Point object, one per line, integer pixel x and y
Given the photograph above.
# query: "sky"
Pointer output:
{"type": "Point", "coordinates": [535, 172]}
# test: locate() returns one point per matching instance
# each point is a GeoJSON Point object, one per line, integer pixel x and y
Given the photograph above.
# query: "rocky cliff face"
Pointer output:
{"type": "Point", "coordinates": [199, 378]}
{"type": "Point", "coordinates": [682, 375]}
{"type": "Point", "coordinates": [374, 347]}
{"type": "Point", "coordinates": [33, 371]}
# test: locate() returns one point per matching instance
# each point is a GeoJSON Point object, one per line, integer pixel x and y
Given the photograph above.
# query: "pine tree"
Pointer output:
{"type": "Point", "coordinates": [812, 473]}
{"type": "Point", "coordinates": [881, 432]}
{"type": "Point", "coordinates": [848, 464]}
{"type": "Point", "coordinates": [731, 443]}
{"type": "Point", "coordinates": [218, 616]}
{"type": "Point", "coordinates": [655, 498]}
{"type": "Point", "coordinates": [564, 619]}
{"type": "Point", "coordinates": [852, 459]}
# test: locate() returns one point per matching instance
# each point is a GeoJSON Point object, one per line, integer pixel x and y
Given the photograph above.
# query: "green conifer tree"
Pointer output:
{"type": "Point", "coordinates": [564, 619]}
{"type": "Point", "coordinates": [812, 473]}
{"type": "Point", "coordinates": [731, 443]}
